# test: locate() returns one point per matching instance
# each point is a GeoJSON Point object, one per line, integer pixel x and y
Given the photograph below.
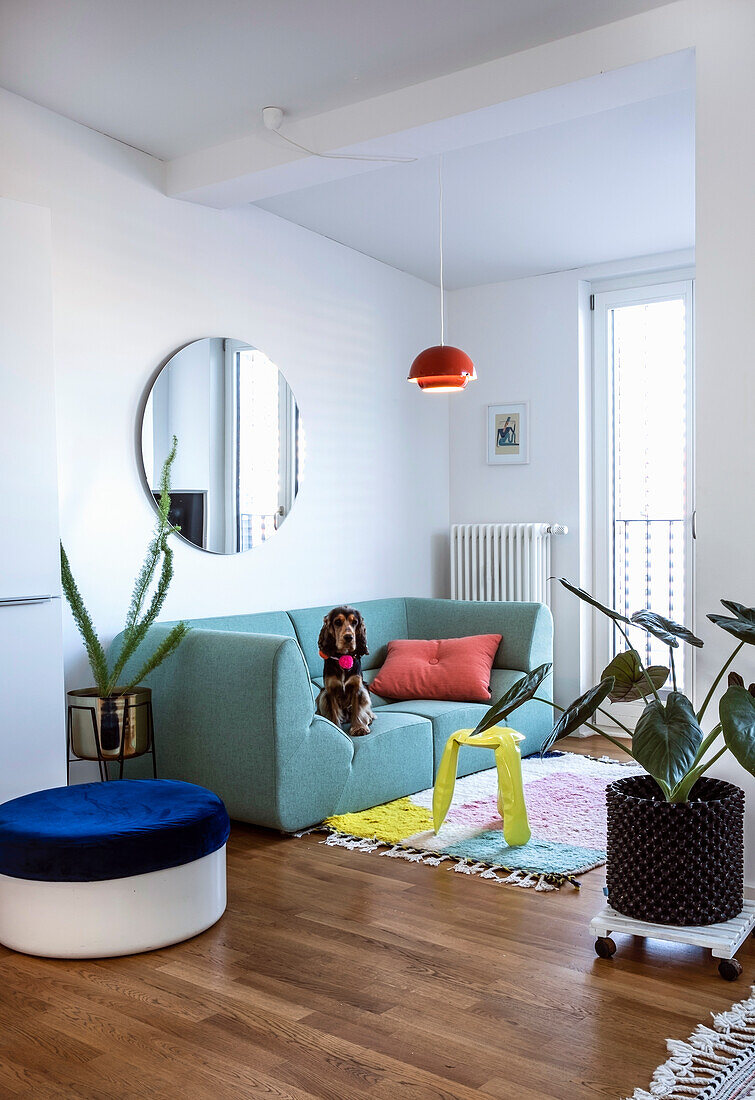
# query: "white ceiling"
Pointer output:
{"type": "Point", "coordinates": [174, 76]}
{"type": "Point", "coordinates": [607, 186]}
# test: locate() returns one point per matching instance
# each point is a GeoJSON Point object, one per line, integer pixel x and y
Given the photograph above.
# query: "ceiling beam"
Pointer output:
{"type": "Point", "coordinates": [538, 87]}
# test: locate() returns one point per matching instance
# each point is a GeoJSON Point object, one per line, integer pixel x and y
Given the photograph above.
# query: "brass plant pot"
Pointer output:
{"type": "Point", "coordinates": [119, 720]}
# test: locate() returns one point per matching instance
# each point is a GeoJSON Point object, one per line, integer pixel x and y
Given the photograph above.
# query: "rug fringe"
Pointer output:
{"type": "Point", "coordinates": [694, 1065]}
{"type": "Point", "coordinates": [526, 879]}
{"type": "Point", "coordinates": [606, 760]}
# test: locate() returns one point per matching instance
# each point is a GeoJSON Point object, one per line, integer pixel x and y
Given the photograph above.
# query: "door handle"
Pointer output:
{"type": "Point", "coordinates": [694, 523]}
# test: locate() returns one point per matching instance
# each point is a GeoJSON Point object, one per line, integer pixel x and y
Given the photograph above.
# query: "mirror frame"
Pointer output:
{"type": "Point", "coordinates": [139, 429]}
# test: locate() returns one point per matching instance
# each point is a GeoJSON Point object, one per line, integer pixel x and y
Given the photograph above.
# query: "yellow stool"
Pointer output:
{"type": "Point", "coordinates": [511, 805]}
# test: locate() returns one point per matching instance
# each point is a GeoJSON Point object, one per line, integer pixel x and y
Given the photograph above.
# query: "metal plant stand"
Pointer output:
{"type": "Point", "coordinates": [102, 759]}
{"type": "Point", "coordinates": [724, 940]}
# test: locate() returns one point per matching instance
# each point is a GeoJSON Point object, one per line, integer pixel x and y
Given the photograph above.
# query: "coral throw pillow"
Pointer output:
{"type": "Point", "coordinates": [457, 669]}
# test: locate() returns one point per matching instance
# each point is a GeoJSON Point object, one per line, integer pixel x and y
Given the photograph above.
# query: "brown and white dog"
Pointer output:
{"type": "Point", "coordinates": [343, 642]}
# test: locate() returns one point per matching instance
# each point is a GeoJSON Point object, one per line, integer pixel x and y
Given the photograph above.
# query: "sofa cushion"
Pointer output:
{"type": "Point", "coordinates": [384, 620]}
{"type": "Point", "coordinates": [448, 717]}
{"type": "Point", "coordinates": [393, 760]}
{"type": "Point", "coordinates": [446, 668]}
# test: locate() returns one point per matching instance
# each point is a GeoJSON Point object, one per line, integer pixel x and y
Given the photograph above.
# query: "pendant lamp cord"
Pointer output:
{"type": "Point", "coordinates": [440, 244]}
{"type": "Point", "coordinates": [346, 156]}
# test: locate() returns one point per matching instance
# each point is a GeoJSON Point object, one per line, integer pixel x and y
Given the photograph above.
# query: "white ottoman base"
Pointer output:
{"type": "Point", "coordinates": [120, 916]}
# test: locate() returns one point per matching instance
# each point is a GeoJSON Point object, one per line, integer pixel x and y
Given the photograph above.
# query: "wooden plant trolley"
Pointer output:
{"type": "Point", "coordinates": [724, 940]}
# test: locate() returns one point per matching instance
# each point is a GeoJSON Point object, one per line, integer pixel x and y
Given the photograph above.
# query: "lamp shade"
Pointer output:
{"type": "Point", "coordinates": [442, 369]}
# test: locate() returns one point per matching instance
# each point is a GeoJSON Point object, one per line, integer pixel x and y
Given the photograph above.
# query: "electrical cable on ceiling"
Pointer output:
{"type": "Point", "coordinates": [440, 245]}
{"type": "Point", "coordinates": [272, 118]}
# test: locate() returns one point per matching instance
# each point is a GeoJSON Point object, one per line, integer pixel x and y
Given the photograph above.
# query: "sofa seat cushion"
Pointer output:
{"type": "Point", "coordinates": [394, 759]}
{"type": "Point", "coordinates": [448, 717]}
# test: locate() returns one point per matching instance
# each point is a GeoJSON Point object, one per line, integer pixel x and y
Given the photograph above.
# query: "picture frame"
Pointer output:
{"type": "Point", "coordinates": [508, 434]}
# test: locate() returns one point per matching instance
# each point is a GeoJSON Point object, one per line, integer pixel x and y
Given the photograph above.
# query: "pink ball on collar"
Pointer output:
{"type": "Point", "coordinates": [346, 662]}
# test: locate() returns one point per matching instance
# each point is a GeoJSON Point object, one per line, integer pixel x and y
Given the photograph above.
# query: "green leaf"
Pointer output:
{"type": "Point", "coordinates": [737, 713]}
{"type": "Point", "coordinates": [666, 739]}
{"type": "Point", "coordinates": [735, 680]}
{"type": "Point", "coordinates": [170, 643]}
{"type": "Point", "coordinates": [518, 693]}
{"type": "Point", "coordinates": [739, 609]}
{"type": "Point", "coordinates": [666, 630]}
{"type": "Point", "coordinates": [137, 625]}
{"type": "Point", "coordinates": [578, 713]}
{"type": "Point", "coordinates": [612, 614]}
{"type": "Point", "coordinates": [741, 628]}
{"type": "Point", "coordinates": [92, 644]}
{"type": "Point", "coordinates": [629, 679]}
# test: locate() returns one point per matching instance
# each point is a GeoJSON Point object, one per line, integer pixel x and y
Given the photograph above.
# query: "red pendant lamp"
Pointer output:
{"type": "Point", "coordinates": [442, 368]}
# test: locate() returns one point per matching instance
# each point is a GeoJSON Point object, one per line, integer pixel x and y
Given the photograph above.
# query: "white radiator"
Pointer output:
{"type": "Point", "coordinates": [502, 561]}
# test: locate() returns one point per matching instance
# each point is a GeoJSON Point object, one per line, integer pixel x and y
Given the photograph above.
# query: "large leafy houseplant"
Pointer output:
{"type": "Point", "coordinates": [139, 619]}
{"type": "Point", "coordinates": [674, 836]}
{"type": "Point", "coordinates": [668, 740]}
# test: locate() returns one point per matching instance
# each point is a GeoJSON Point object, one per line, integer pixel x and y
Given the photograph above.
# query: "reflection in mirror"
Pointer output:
{"type": "Point", "coordinates": [240, 443]}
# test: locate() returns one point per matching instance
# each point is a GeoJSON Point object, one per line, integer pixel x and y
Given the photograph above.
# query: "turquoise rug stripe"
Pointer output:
{"type": "Point", "coordinates": [537, 856]}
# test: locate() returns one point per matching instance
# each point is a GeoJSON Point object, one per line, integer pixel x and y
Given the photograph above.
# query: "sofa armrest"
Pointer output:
{"type": "Point", "coordinates": [235, 712]}
{"type": "Point", "coordinates": [526, 628]}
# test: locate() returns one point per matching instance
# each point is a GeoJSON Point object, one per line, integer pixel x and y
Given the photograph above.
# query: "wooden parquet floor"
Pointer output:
{"type": "Point", "coordinates": [336, 975]}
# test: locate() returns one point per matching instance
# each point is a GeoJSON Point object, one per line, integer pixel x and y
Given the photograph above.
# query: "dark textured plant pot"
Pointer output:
{"type": "Point", "coordinates": [675, 863]}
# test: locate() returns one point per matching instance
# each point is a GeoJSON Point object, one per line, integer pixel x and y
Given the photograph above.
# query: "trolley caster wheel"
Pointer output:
{"type": "Point", "coordinates": [729, 969]}
{"type": "Point", "coordinates": [605, 947]}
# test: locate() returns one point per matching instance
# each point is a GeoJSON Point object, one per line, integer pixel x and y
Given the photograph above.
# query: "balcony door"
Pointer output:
{"type": "Point", "coordinates": [644, 463]}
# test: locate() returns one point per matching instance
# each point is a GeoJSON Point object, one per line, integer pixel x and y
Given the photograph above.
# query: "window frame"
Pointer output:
{"type": "Point", "coordinates": [633, 291]}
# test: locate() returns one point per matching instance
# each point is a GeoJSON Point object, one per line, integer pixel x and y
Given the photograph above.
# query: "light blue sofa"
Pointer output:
{"type": "Point", "coordinates": [235, 708]}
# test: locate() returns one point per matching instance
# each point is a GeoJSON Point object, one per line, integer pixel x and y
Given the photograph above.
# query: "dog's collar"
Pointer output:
{"type": "Point", "coordinates": [349, 659]}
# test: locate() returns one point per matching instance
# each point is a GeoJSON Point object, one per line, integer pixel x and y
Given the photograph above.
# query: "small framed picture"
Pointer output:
{"type": "Point", "coordinates": [509, 434]}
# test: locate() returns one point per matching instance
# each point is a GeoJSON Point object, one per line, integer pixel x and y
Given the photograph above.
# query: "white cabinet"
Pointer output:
{"type": "Point", "coordinates": [32, 732]}
{"type": "Point", "coordinates": [32, 729]}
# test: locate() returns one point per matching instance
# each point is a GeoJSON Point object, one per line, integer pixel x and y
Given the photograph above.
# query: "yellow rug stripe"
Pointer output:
{"type": "Point", "coordinates": [392, 822]}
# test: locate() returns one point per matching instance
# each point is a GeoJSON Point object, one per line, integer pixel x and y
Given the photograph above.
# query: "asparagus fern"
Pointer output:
{"type": "Point", "coordinates": [92, 644]}
{"type": "Point", "coordinates": [138, 621]}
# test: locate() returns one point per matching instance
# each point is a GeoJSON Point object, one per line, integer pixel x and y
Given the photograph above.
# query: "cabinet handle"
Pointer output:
{"type": "Point", "coordinates": [20, 601]}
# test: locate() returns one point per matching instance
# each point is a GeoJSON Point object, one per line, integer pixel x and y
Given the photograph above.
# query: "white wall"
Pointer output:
{"type": "Point", "coordinates": [523, 337]}
{"type": "Point", "coordinates": [135, 275]}
{"type": "Point", "coordinates": [725, 289]}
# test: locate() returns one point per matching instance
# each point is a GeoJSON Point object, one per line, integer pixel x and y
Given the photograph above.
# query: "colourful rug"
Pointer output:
{"type": "Point", "coordinates": [715, 1063]}
{"type": "Point", "coordinates": [565, 796]}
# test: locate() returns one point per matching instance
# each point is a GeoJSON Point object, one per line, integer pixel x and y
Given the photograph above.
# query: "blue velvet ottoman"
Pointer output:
{"type": "Point", "coordinates": [102, 869]}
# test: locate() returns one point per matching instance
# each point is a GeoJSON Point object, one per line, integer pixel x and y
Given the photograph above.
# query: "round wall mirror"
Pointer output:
{"type": "Point", "coordinates": [240, 444]}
